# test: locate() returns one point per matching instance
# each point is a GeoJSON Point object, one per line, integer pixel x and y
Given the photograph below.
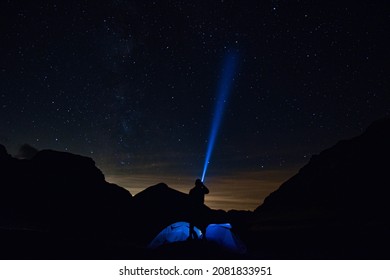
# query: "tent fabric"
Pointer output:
{"type": "Point", "coordinates": [176, 232]}
{"type": "Point", "coordinates": [222, 235]}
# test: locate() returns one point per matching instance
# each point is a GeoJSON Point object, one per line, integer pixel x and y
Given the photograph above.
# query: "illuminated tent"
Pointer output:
{"type": "Point", "coordinates": [222, 235]}
{"type": "Point", "coordinates": [179, 231]}
{"type": "Point", "coordinates": [219, 234]}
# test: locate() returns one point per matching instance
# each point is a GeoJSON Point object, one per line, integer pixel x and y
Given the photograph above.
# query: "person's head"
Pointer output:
{"type": "Point", "coordinates": [198, 182]}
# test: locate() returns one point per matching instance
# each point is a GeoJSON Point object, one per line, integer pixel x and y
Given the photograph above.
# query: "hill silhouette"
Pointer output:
{"type": "Point", "coordinates": [59, 191]}
{"type": "Point", "coordinates": [336, 206]}
{"type": "Point", "coordinates": [347, 181]}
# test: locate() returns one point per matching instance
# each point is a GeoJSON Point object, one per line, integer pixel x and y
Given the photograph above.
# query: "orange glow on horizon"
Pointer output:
{"type": "Point", "coordinates": [242, 191]}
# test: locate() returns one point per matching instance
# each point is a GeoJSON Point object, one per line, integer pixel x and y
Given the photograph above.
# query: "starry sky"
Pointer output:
{"type": "Point", "coordinates": [133, 84]}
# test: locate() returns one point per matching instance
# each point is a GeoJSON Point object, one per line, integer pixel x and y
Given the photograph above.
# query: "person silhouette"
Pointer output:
{"type": "Point", "coordinates": [197, 193]}
{"type": "Point", "coordinates": [196, 196]}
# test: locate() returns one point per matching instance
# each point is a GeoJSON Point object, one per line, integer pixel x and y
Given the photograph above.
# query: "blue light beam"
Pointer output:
{"type": "Point", "coordinates": [224, 89]}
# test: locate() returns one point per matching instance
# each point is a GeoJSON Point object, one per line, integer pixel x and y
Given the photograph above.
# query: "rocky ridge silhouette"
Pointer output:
{"type": "Point", "coordinates": [347, 182]}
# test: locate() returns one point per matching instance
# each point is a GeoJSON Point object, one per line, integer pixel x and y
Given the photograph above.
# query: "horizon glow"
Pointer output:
{"type": "Point", "coordinates": [224, 90]}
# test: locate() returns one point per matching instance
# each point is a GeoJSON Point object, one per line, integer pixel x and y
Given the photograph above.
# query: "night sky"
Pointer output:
{"type": "Point", "coordinates": [133, 84]}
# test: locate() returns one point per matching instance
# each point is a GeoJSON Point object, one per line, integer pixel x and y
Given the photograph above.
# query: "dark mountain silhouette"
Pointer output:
{"type": "Point", "coordinates": [336, 207]}
{"type": "Point", "coordinates": [348, 181]}
{"type": "Point", "coordinates": [59, 191]}
{"type": "Point", "coordinates": [58, 206]}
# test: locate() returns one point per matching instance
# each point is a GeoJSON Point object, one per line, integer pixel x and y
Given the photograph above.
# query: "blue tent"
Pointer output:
{"type": "Point", "coordinates": [179, 231]}
{"type": "Point", "coordinates": [222, 235]}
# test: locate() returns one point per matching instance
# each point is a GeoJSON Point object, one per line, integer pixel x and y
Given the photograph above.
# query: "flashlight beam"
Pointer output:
{"type": "Point", "coordinates": [224, 89]}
